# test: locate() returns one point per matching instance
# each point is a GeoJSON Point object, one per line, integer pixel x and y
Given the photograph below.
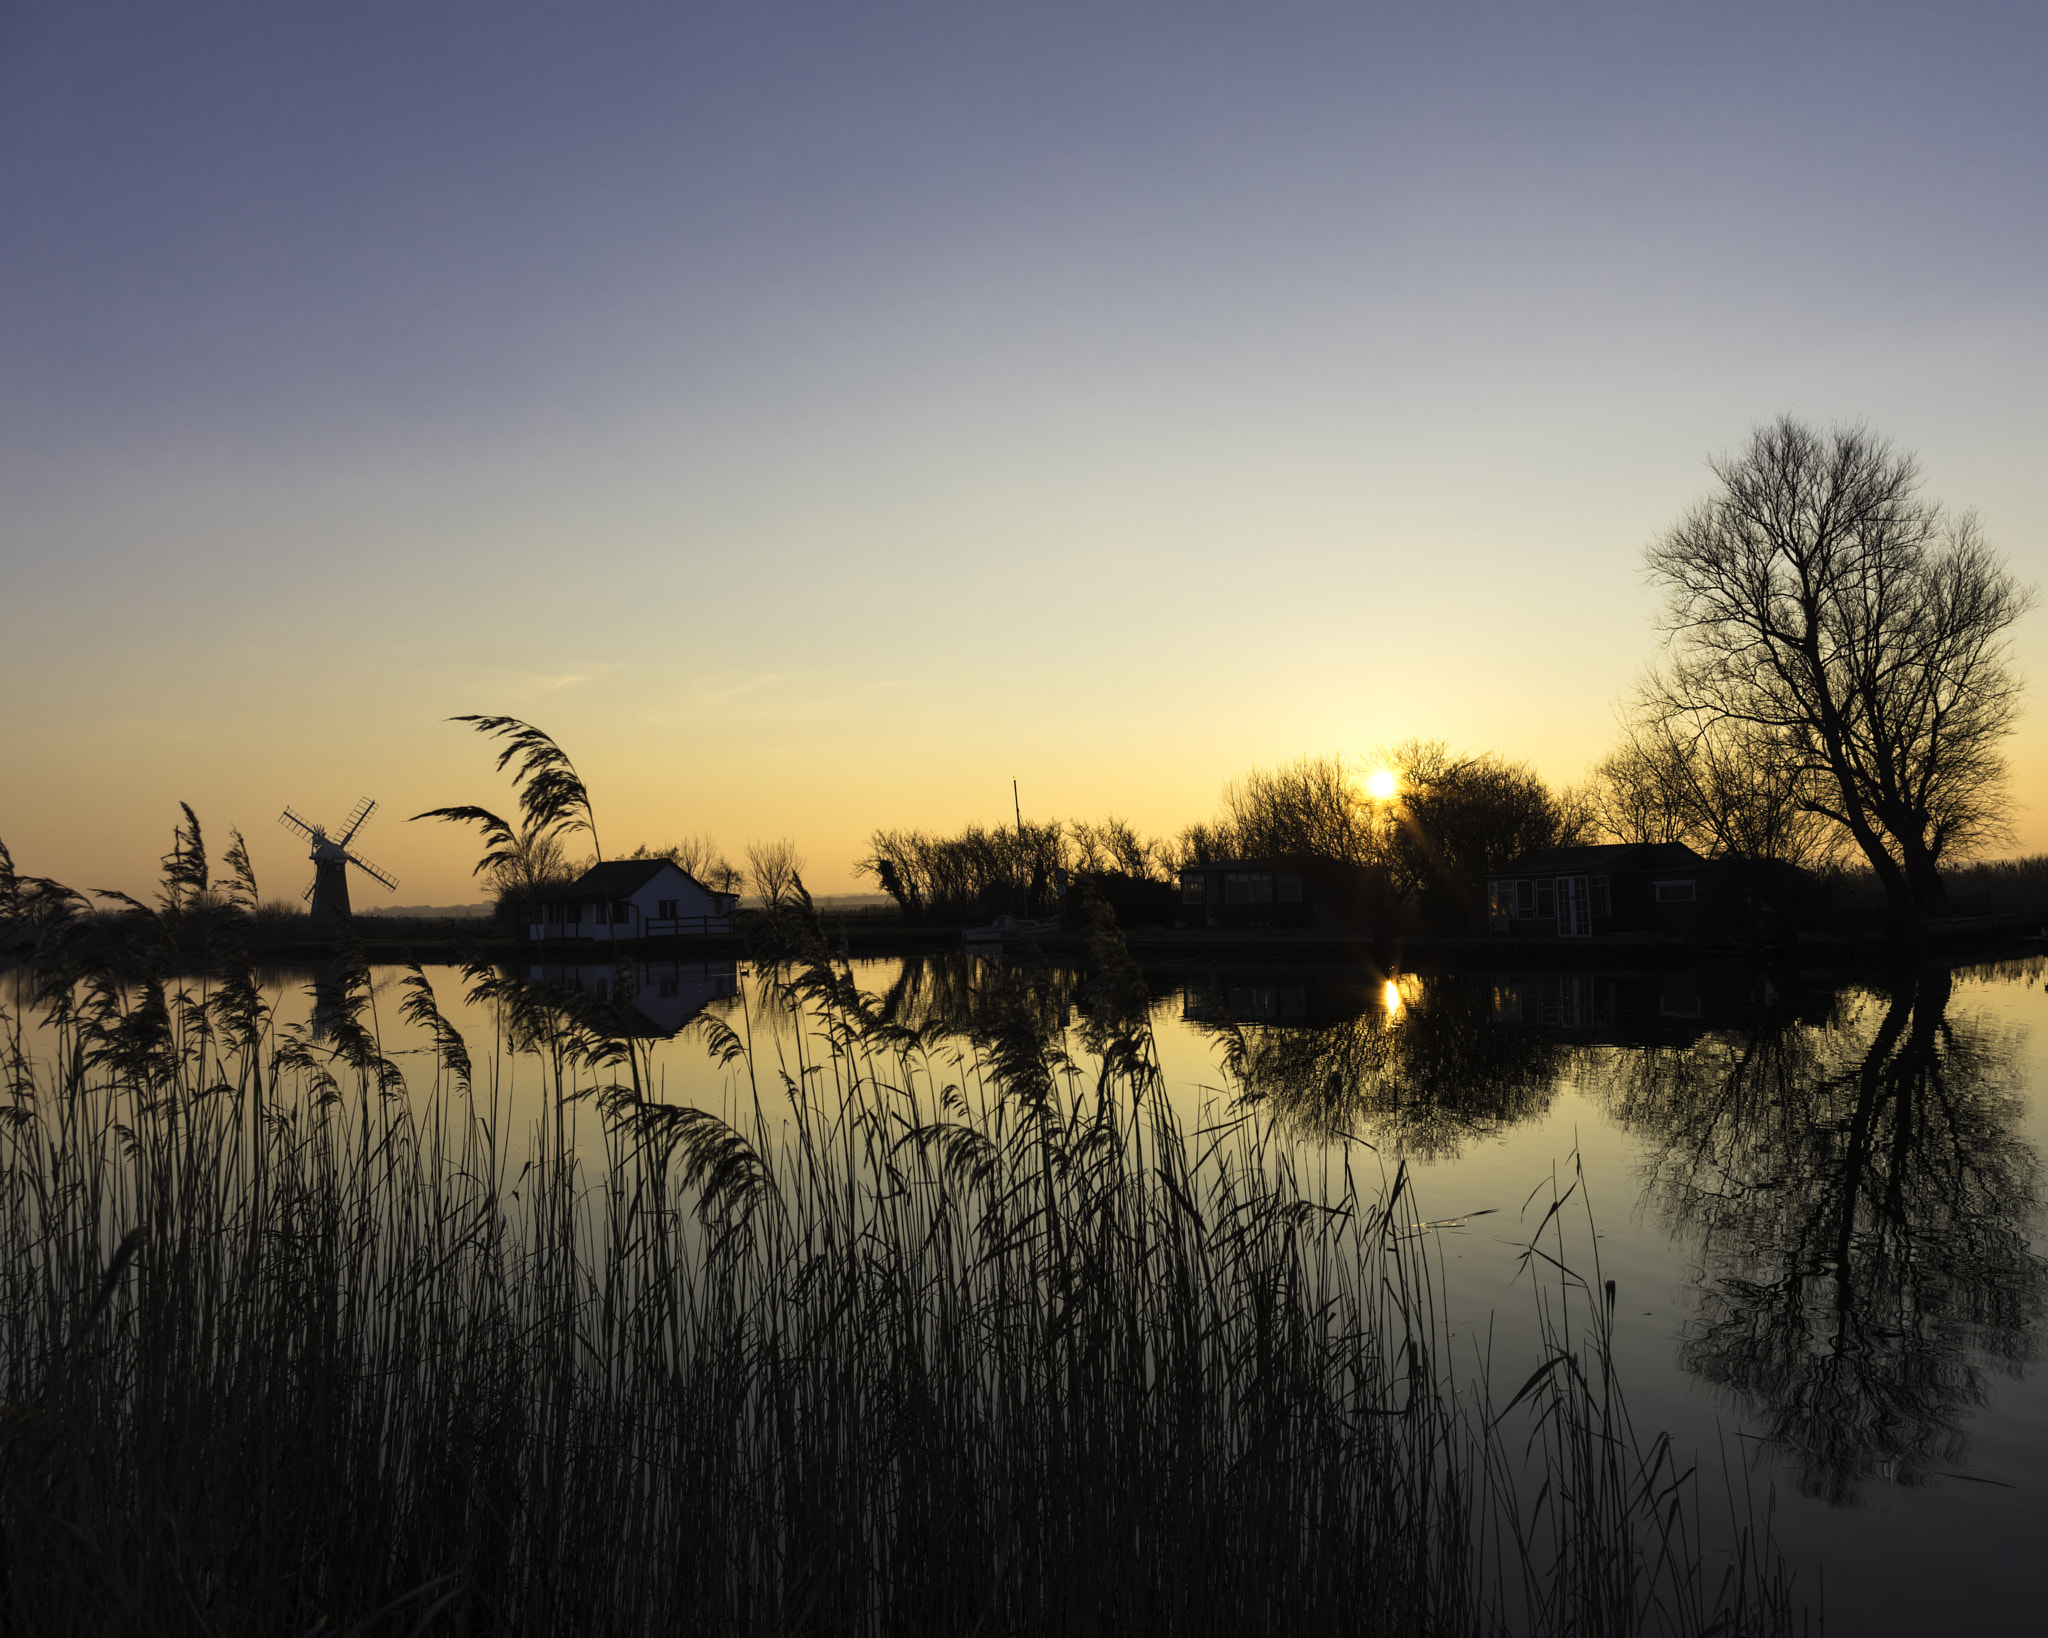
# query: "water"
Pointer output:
{"type": "Point", "coordinates": [1821, 1204]}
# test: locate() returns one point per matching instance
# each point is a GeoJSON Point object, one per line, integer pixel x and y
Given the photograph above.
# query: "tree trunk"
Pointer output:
{"type": "Point", "coordinates": [1923, 878]}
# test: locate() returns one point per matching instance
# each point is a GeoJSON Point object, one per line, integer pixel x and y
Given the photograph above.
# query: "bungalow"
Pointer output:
{"type": "Point", "coordinates": [630, 898]}
{"type": "Point", "coordinates": [1575, 892]}
{"type": "Point", "coordinates": [1285, 891]}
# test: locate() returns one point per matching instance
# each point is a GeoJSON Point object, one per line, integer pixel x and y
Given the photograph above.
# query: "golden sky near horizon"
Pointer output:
{"type": "Point", "coordinates": [816, 423]}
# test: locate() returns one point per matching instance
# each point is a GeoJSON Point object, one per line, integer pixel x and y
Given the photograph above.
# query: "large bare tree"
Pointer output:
{"type": "Point", "coordinates": [1726, 788]}
{"type": "Point", "coordinates": [1820, 601]}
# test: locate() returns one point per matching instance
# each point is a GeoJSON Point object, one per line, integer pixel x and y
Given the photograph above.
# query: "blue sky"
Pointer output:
{"type": "Point", "coordinates": [818, 416]}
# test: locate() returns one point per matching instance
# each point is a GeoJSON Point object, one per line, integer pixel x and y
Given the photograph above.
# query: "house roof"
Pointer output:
{"type": "Point", "coordinates": [622, 878]}
{"type": "Point", "coordinates": [1279, 861]}
{"type": "Point", "coordinates": [1605, 859]}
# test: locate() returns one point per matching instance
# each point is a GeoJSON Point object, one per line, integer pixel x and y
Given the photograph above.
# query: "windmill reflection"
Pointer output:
{"type": "Point", "coordinates": [1855, 1184]}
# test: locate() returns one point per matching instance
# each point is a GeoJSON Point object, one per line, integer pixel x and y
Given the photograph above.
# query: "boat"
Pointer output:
{"type": "Point", "coordinates": [1010, 927]}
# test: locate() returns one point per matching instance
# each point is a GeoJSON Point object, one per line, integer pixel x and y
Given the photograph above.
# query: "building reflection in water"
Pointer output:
{"type": "Point", "coordinates": [652, 1000]}
{"type": "Point", "coordinates": [1409, 1064]}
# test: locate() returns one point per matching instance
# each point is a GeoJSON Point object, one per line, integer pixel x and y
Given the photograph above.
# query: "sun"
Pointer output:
{"type": "Point", "coordinates": [1383, 783]}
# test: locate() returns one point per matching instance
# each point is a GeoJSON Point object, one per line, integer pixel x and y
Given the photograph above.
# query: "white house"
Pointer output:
{"type": "Point", "coordinates": [631, 898]}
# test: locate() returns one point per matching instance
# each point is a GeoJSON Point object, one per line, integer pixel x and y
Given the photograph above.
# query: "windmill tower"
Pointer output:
{"type": "Point", "coordinates": [331, 859]}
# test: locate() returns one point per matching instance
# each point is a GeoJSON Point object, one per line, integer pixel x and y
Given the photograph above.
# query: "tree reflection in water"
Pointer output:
{"type": "Point", "coordinates": [1420, 1075]}
{"type": "Point", "coordinates": [1859, 1197]}
{"type": "Point", "coordinates": [1847, 1167]}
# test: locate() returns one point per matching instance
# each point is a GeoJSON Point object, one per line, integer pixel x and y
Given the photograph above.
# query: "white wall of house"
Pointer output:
{"type": "Point", "coordinates": [666, 904]}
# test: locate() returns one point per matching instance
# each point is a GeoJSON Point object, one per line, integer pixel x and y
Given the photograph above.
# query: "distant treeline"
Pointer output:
{"type": "Point", "coordinates": [1448, 820]}
{"type": "Point", "coordinates": [1454, 818]}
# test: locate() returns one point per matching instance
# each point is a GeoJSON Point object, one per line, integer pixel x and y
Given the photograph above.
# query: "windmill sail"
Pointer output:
{"type": "Point", "coordinates": [331, 859]}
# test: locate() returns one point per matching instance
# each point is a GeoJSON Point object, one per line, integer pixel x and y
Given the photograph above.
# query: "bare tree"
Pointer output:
{"type": "Point", "coordinates": [1457, 817]}
{"type": "Point", "coordinates": [1818, 600]}
{"type": "Point", "coordinates": [533, 864]}
{"type": "Point", "coordinates": [1640, 792]}
{"type": "Point", "coordinates": [775, 869]}
{"type": "Point", "coordinates": [1312, 806]}
{"type": "Point", "coordinates": [1728, 789]}
{"type": "Point", "coordinates": [698, 857]}
{"type": "Point", "coordinates": [1115, 845]}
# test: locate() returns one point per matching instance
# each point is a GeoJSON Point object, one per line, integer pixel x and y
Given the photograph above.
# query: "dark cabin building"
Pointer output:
{"type": "Point", "coordinates": [1285, 891]}
{"type": "Point", "coordinates": [1622, 887]}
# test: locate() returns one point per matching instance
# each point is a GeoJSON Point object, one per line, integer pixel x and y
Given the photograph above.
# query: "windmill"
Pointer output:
{"type": "Point", "coordinates": [331, 859]}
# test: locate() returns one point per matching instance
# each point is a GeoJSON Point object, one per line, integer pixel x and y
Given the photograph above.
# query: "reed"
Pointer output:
{"type": "Point", "coordinates": [925, 1335]}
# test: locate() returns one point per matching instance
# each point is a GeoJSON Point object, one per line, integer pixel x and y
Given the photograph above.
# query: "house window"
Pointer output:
{"type": "Point", "coordinates": [1603, 903]}
{"type": "Point", "coordinates": [1192, 889]}
{"type": "Point", "coordinates": [1287, 889]}
{"type": "Point", "coordinates": [665, 909]}
{"type": "Point", "coordinates": [570, 913]}
{"type": "Point", "coordinates": [621, 912]}
{"type": "Point", "coordinates": [1525, 898]}
{"type": "Point", "coordinates": [1247, 887]}
{"type": "Point", "coordinates": [1546, 897]}
{"type": "Point", "coordinates": [1501, 898]}
{"type": "Point", "coordinates": [667, 988]}
{"type": "Point", "coordinates": [1676, 892]}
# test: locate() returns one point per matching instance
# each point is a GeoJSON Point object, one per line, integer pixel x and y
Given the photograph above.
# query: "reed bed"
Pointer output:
{"type": "Point", "coordinates": [927, 1334]}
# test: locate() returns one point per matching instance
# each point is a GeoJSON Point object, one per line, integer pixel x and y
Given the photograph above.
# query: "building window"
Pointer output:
{"type": "Point", "coordinates": [569, 913]}
{"type": "Point", "coordinates": [666, 909]}
{"type": "Point", "coordinates": [621, 912]}
{"type": "Point", "coordinates": [1501, 898]}
{"type": "Point", "coordinates": [1603, 903]}
{"type": "Point", "coordinates": [1247, 887]}
{"type": "Point", "coordinates": [1676, 892]}
{"type": "Point", "coordinates": [1192, 889]}
{"type": "Point", "coordinates": [1546, 897]}
{"type": "Point", "coordinates": [1287, 889]}
{"type": "Point", "coordinates": [1525, 898]}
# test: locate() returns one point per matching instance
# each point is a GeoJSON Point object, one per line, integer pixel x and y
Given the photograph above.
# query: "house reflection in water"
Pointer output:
{"type": "Point", "coordinates": [1279, 995]}
{"type": "Point", "coordinates": [1635, 1009]}
{"type": "Point", "coordinates": [656, 998]}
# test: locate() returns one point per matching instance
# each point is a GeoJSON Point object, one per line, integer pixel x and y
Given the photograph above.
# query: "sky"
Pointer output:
{"type": "Point", "coordinates": [818, 416]}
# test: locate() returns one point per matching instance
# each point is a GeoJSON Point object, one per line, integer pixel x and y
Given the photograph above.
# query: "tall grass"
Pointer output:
{"type": "Point", "coordinates": [934, 1335]}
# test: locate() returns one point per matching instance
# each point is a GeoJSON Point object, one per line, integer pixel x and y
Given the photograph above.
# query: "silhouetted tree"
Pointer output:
{"type": "Point", "coordinates": [1457, 817]}
{"type": "Point", "coordinates": [1727, 789]}
{"type": "Point", "coordinates": [700, 858]}
{"type": "Point", "coordinates": [774, 869]}
{"type": "Point", "coordinates": [1818, 600]}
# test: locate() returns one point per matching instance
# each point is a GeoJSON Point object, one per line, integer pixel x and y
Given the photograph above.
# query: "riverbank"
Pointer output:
{"type": "Point", "coordinates": [1409, 952]}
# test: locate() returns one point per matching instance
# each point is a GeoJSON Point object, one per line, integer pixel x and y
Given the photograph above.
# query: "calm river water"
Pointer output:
{"type": "Point", "coordinates": [1822, 1204]}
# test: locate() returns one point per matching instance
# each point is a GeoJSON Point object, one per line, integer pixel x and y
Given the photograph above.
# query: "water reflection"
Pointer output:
{"type": "Point", "coordinates": [644, 1000]}
{"type": "Point", "coordinates": [1844, 1165]}
{"type": "Point", "coordinates": [1409, 1064]}
{"type": "Point", "coordinates": [1849, 1170]}
{"type": "Point", "coordinates": [652, 999]}
{"type": "Point", "coordinates": [974, 996]}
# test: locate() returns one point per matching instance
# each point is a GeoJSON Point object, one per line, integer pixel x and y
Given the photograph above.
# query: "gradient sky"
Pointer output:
{"type": "Point", "coordinates": [816, 416]}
